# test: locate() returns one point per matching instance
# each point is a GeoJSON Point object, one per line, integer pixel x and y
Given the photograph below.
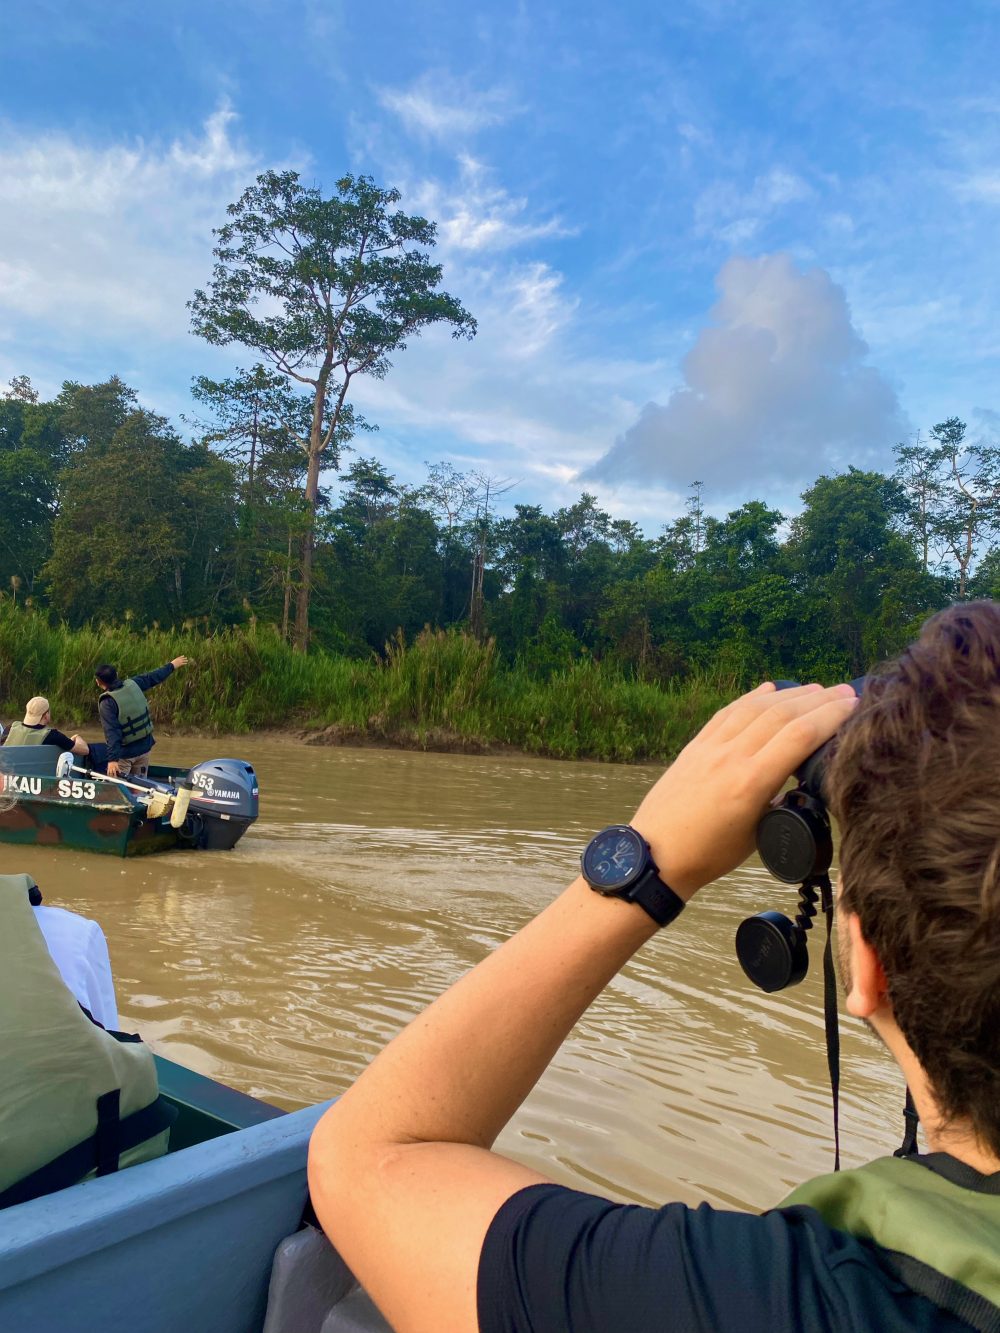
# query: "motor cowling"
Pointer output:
{"type": "Point", "coordinates": [224, 801]}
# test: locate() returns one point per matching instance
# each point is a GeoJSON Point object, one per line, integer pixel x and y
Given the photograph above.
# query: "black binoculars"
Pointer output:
{"type": "Point", "coordinates": [796, 845]}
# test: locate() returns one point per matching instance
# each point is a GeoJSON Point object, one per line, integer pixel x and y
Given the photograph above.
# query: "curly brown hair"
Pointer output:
{"type": "Point", "coordinates": [915, 786]}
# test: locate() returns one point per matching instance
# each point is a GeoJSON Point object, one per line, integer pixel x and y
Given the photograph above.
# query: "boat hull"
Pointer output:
{"type": "Point", "coordinates": [38, 809]}
{"type": "Point", "coordinates": [43, 822]}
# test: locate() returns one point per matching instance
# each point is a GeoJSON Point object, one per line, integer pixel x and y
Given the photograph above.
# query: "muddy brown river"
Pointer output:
{"type": "Point", "coordinates": [375, 878]}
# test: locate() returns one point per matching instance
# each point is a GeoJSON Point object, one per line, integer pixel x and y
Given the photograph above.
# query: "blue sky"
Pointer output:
{"type": "Point", "coordinates": [719, 239]}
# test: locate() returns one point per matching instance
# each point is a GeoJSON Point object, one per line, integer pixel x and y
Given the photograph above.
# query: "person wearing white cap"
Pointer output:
{"type": "Point", "coordinates": [37, 729]}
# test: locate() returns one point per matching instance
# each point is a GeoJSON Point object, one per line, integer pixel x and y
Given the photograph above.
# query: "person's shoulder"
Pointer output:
{"type": "Point", "coordinates": [56, 737]}
{"type": "Point", "coordinates": [65, 920]}
{"type": "Point", "coordinates": [557, 1257]}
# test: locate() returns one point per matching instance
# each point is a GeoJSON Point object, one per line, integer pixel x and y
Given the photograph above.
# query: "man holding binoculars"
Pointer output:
{"type": "Point", "coordinates": [448, 1236]}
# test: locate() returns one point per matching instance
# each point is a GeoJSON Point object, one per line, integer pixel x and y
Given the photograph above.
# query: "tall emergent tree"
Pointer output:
{"type": "Point", "coordinates": [972, 510]}
{"type": "Point", "coordinates": [323, 289]}
{"type": "Point", "coordinates": [918, 471]}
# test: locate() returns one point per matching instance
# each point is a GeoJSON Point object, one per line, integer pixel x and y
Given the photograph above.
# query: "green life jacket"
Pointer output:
{"type": "Point", "coordinates": [75, 1101]}
{"type": "Point", "coordinates": [133, 713]}
{"type": "Point", "coordinates": [942, 1236]}
{"type": "Point", "coordinates": [19, 734]}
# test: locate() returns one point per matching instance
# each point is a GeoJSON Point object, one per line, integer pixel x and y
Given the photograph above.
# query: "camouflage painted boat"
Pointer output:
{"type": "Point", "coordinates": [49, 800]}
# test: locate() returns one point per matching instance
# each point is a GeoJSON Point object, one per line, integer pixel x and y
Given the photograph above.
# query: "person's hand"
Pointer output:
{"type": "Point", "coordinates": [112, 768]}
{"type": "Point", "coordinates": [179, 662]}
{"type": "Point", "coordinates": [700, 817]}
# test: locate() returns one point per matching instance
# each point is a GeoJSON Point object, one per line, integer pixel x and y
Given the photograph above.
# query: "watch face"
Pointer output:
{"type": "Point", "coordinates": [613, 858]}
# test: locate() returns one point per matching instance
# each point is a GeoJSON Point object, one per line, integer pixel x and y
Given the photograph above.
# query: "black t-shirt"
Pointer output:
{"type": "Point", "coordinates": [559, 1261]}
{"type": "Point", "coordinates": [58, 738]}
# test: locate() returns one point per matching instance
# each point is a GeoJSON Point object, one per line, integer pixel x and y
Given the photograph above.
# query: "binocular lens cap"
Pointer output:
{"type": "Point", "coordinates": [772, 951]}
{"type": "Point", "coordinates": [794, 844]}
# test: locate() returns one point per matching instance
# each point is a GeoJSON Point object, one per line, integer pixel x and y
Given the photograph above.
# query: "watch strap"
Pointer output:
{"type": "Point", "coordinates": [655, 897]}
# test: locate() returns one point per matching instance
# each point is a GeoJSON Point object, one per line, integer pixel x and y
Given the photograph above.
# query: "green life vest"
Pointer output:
{"type": "Point", "coordinates": [75, 1101]}
{"type": "Point", "coordinates": [942, 1237]}
{"type": "Point", "coordinates": [133, 713]}
{"type": "Point", "coordinates": [19, 734]}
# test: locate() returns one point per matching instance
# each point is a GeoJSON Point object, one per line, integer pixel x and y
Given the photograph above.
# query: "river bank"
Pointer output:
{"type": "Point", "coordinates": [446, 691]}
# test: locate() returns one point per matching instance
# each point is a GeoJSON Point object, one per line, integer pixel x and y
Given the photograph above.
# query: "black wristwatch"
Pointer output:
{"type": "Point", "coordinates": [617, 863]}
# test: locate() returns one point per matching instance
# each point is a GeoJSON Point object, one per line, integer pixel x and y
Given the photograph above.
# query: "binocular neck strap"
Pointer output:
{"type": "Point", "coordinates": [822, 882]}
{"type": "Point", "coordinates": [911, 1123]}
{"type": "Point", "coordinates": [911, 1119]}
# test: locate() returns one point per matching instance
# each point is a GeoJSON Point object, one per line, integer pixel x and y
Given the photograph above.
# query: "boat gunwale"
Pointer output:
{"type": "Point", "coordinates": [98, 1214]}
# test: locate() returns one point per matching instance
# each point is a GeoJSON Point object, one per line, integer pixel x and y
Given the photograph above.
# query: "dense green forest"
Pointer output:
{"type": "Point", "coordinates": [109, 515]}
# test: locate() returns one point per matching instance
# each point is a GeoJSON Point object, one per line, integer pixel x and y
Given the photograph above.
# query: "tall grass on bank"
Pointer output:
{"type": "Point", "coordinates": [445, 691]}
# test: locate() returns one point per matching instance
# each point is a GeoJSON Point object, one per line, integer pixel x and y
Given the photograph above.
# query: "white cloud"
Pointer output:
{"type": "Point", "coordinates": [735, 216]}
{"type": "Point", "coordinates": [214, 153]}
{"type": "Point", "coordinates": [981, 187]}
{"type": "Point", "coordinates": [109, 240]}
{"type": "Point", "coordinates": [492, 228]}
{"type": "Point", "coordinates": [440, 107]}
{"type": "Point", "coordinates": [840, 224]}
{"type": "Point", "coordinates": [775, 389]}
{"type": "Point", "coordinates": [474, 214]}
{"type": "Point", "coordinates": [694, 134]}
{"type": "Point", "coordinates": [538, 308]}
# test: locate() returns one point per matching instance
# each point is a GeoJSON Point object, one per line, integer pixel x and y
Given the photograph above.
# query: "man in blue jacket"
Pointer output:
{"type": "Point", "coordinates": [128, 728]}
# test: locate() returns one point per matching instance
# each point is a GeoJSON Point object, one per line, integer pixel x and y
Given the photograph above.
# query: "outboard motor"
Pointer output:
{"type": "Point", "coordinates": [224, 803]}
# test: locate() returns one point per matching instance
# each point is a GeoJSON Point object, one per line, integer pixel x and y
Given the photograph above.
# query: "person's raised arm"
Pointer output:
{"type": "Point", "coordinates": [400, 1168]}
{"type": "Point", "coordinates": [150, 679]}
